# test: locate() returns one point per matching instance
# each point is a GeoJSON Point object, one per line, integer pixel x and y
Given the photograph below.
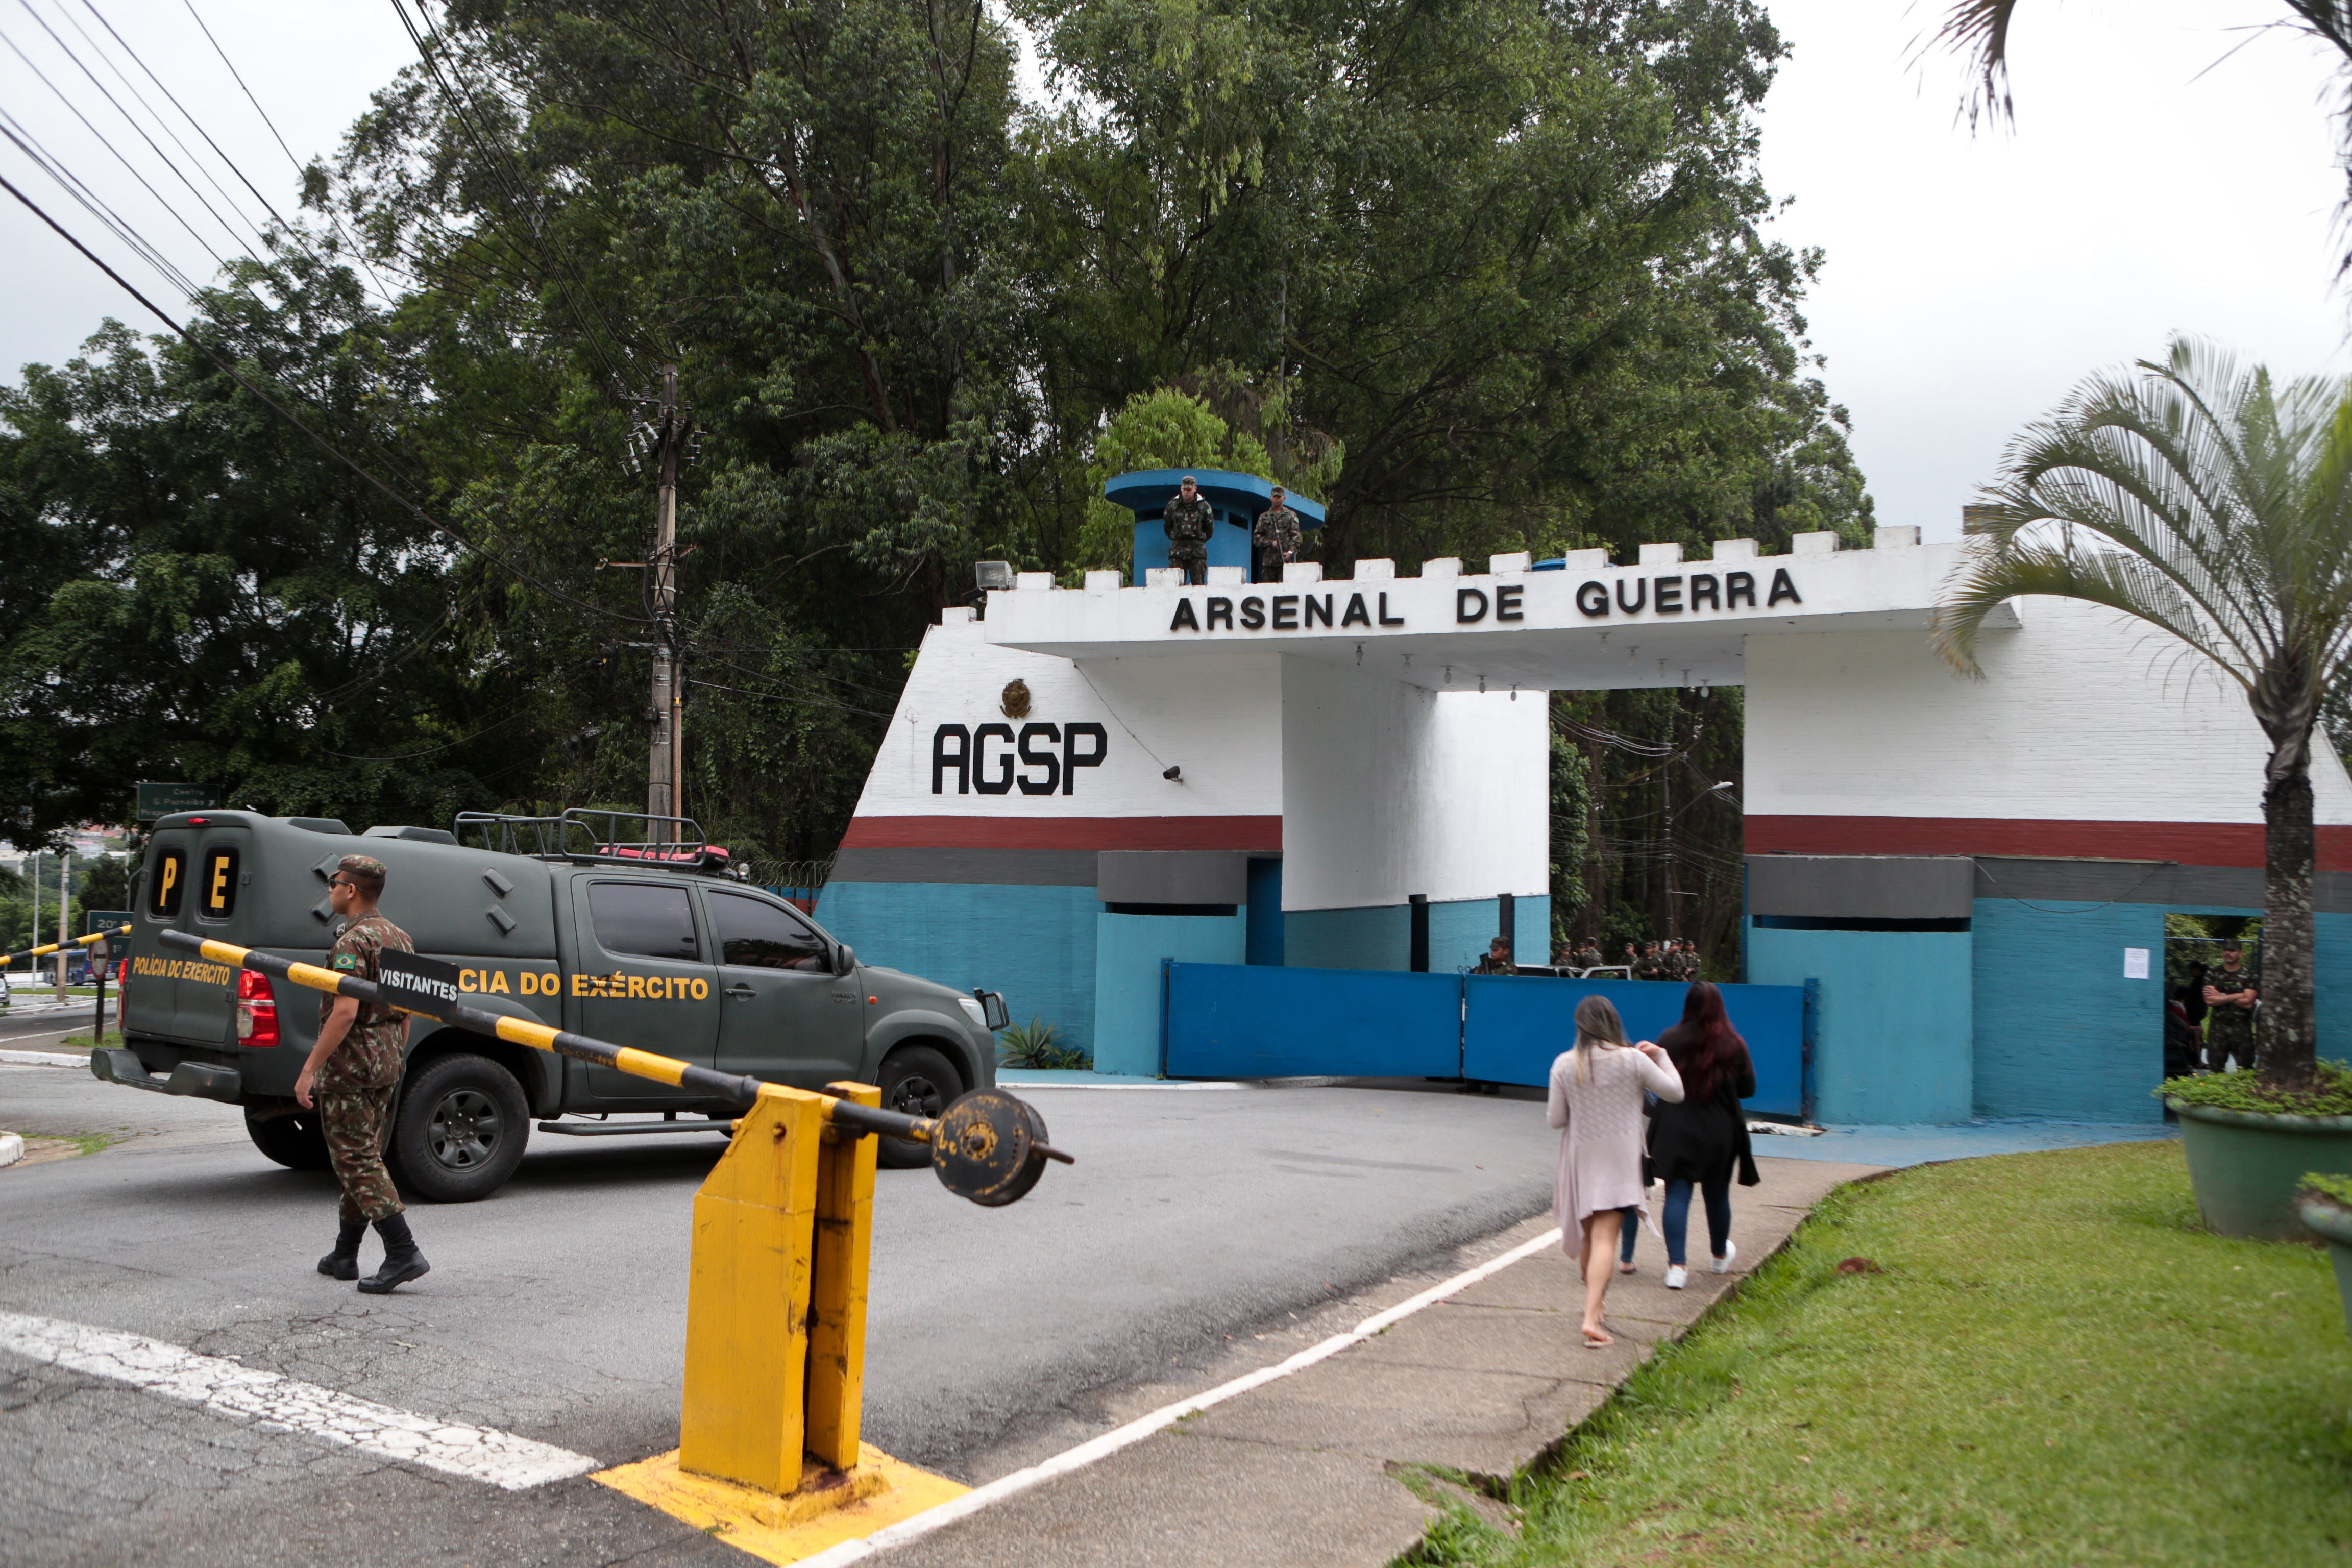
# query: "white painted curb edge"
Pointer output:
{"type": "Point", "coordinates": [12, 1148]}
{"type": "Point", "coordinates": [43, 1059]}
{"type": "Point", "coordinates": [1166, 1416]}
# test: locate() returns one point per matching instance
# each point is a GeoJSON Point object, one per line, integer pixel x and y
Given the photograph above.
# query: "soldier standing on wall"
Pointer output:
{"type": "Point", "coordinates": [356, 1068]}
{"type": "Point", "coordinates": [2230, 1027]}
{"type": "Point", "coordinates": [1275, 538]}
{"type": "Point", "coordinates": [1191, 519]}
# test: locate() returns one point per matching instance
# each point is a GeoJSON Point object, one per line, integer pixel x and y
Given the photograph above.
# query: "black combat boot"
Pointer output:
{"type": "Point", "coordinates": [402, 1261]}
{"type": "Point", "coordinates": [343, 1263]}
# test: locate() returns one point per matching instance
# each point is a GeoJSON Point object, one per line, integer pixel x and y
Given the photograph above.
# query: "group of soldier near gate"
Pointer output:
{"type": "Point", "coordinates": [1674, 960]}
{"type": "Point", "coordinates": [2212, 1019]}
{"type": "Point", "coordinates": [1276, 538]}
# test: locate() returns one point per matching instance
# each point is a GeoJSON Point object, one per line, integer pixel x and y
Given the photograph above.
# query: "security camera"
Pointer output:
{"type": "Point", "coordinates": [1175, 775]}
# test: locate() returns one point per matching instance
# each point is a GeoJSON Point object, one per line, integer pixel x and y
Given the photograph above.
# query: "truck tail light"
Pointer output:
{"type": "Point", "coordinates": [257, 1010]}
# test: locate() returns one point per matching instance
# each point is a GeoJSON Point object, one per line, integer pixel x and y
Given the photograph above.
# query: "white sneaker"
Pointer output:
{"type": "Point", "coordinates": [1723, 1264]}
{"type": "Point", "coordinates": [1675, 1275]}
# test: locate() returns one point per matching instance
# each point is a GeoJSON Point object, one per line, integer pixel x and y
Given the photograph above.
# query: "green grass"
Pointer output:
{"type": "Point", "coordinates": [81, 1042]}
{"type": "Point", "coordinates": [2057, 1366]}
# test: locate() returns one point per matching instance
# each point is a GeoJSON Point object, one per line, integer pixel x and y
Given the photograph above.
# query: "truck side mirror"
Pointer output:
{"type": "Point", "coordinates": [844, 961]}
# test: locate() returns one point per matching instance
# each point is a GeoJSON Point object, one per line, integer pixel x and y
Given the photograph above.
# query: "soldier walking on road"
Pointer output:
{"type": "Point", "coordinates": [1191, 519]}
{"type": "Point", "coordinates": [356, 1069]}
{"type": "Point", "coordinates": [1275, 538]}
{"type": "Point", "coordinates": [2229, 1026]}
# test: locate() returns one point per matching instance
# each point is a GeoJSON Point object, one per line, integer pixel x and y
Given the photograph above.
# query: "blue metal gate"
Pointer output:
{"type": "Point", "coordinates": [1231, 1020]}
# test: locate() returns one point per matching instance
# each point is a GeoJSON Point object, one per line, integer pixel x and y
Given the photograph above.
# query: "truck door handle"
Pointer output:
{"type": "Point", "coordinates": [741, 990]}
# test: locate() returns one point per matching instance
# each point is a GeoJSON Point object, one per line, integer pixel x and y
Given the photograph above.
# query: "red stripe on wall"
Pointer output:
{"type": "Point", "coordinates": [2189, 843]}
{"type": "Point", "coordinates": [1262, 834]}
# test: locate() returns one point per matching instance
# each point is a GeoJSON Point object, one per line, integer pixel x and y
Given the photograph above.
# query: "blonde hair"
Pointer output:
{"type": "Point", "coordinates": [1597, 1022]}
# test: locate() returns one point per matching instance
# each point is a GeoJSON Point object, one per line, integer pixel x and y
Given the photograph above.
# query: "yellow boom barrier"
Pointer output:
{"type": "Point", "coordinates": [61, 946]}
{"type": "Point", "coordinates": [776, 1319]}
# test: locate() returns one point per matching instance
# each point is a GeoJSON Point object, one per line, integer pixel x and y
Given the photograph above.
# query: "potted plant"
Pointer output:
{"type": "Point", "coordinates": [2201, 496]}
{"type": "Point", "coordinates": [2324, 1205]}
{"type": "Point", "coordinates": [2249, 1145]}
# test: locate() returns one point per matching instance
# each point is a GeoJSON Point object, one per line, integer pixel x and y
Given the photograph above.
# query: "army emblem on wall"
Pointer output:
{"type": "Point", "coordinates": [1016, 699]}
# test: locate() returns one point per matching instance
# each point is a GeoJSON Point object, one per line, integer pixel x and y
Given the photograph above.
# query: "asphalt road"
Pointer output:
{"type": "Point", "coordinates": [1200, 1231]}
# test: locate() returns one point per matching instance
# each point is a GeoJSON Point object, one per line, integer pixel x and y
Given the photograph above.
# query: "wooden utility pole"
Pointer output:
{"type": "Point", "coordinates": [664, 772]}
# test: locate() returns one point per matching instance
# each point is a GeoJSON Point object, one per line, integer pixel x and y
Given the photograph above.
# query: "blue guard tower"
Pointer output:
{"type": "Point", "coordinates": [1236, 498]}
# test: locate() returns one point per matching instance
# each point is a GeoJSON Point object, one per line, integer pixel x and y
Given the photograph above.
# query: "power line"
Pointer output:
{"type": "Point", "coordinates": [282, 412]}
{"type": "Point", "coordinates": [358, 251]}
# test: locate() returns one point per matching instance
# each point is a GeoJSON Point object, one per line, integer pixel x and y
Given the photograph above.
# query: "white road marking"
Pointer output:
{"type": "Point", "coordinates": [1166, 1416]}
{"type": "Point", "coordinates": [1035, 1084]}
{"type": "Point", "coordinates": [273, 1399]}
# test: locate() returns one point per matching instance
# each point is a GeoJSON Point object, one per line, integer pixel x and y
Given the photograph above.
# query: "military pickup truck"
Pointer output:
{"type": "Point", "coordinates": [656, 945]}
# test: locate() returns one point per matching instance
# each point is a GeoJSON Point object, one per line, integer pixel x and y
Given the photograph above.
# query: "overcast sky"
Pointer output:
{"type": "Point", "coordinates": [1969, 280]}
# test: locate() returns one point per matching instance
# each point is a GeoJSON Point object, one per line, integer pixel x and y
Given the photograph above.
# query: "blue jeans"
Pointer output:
{"type": "Point", "coordinates": [1629, 1230]}
{"type": "Point", "coordinates": [1675, 1219]}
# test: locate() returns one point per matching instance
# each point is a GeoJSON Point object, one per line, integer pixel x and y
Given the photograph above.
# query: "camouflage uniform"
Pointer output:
{"type": "Point", "coordinates": [2229, 1029]}
{"type": "Point", "coordinates": [1586, 957]}
{"type": "Point", "coordinates": [1490, 964]}
{"type": "Point", "coordinates": [1189, 525]}
{"type": "Point", "coordinates": [1275, 538]}
{"type": "Point", "coordinates": [356, 1087]}
{"type": "Point", "coordinates": [1686, 964]}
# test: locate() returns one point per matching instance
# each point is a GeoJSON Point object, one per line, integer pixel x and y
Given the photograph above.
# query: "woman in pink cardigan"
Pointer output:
{"type": "Point", "coordinates": [1596, 1101]}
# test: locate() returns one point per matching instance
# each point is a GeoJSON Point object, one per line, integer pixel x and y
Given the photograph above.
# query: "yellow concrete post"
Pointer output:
{"type": "Point", "coordinates": [844, 1246]}
{"type": "Point", "coordinates": [747, 1305]}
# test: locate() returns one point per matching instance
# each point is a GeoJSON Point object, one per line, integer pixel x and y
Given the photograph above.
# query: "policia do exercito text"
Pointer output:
{"type": "Point", "coordinates": [657, 949]}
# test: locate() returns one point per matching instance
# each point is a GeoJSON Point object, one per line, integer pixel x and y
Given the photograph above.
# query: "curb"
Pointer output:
{"type": "Point", "coordinates": [43, 1059]}
{"type": "Point", "coordinates": [12, 1148]}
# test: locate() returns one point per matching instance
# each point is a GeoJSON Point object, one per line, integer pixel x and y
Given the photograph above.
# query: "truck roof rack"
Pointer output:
{"type": "Point", "coordinates": [589, 835]}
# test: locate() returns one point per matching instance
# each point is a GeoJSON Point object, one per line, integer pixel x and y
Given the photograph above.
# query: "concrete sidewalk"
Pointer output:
{"type": "Point", "coordinates": [1301, 1471]}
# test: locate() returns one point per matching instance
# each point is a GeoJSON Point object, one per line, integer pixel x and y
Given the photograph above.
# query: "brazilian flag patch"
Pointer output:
{"type": "Point", "coordinates": [346, 961]}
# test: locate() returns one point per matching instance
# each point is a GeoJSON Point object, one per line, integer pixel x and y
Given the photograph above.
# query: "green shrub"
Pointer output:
{"type": "Point", "coordinates": [1032, 1045]}
{"type": "Point", "coordinates": [2335, 1189]}
{"type": "Point", "coordinates": [2244, 1090]}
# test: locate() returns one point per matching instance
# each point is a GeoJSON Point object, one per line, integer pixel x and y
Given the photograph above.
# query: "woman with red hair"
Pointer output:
{"type": "Point", "coordinates": [1701, 1140]}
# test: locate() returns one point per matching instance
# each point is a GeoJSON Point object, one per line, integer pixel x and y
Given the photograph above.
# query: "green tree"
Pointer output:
{"type": "Point", "coordinates": [201, 592]}
{"type": "Point", "coordinates": [2203, 498]}
{"type": "Point", "coordinates": [1512, 247]}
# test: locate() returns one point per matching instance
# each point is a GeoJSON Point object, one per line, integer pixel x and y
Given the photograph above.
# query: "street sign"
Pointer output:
{"type": "Point", "coordinates": [162, 799]}
{"type": "Point", "coordinates": [105, 920]}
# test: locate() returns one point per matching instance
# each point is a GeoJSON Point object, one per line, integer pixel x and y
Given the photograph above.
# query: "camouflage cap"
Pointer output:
{"type": "Point", "coordinates": [361, 866]}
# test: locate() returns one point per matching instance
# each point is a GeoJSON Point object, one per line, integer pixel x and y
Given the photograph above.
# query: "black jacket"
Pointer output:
{"type": "Point", "coordinates": [1698, 1140]}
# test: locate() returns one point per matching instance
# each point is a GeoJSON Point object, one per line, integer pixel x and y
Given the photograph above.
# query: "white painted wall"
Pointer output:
{"type": "Point", "coordinates": [1218, 717]}
{"type": "Point", "coordinates": [1389, 790]}
{"type": "Point", "coordinates": [2083, 714]}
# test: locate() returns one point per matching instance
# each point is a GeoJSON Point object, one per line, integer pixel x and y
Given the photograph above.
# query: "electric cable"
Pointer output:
{"type": "Point", "coordinates": [436, 524]}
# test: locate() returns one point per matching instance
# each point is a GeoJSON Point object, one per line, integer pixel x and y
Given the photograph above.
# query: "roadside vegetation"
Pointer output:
{"type": "Point", "coordinates": [2035, 1359]}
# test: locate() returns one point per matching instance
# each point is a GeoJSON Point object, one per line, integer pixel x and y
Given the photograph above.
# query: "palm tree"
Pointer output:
{"type": "Point", "coordinates": [2207, 500]}
{"type": "Point", "coordinates": [1980, 29]}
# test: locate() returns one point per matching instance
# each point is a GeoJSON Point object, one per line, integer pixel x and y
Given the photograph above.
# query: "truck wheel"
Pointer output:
{"type": "Point", "coordinates": [461, 1130]}
{"type": "Point", "coordinates": [295, 1141]}
{"type": "Point", "coordinates": [915, 1082]}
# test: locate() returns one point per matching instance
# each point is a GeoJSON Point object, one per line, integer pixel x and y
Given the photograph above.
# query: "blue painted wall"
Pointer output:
{"type": "Point", "coordinates": [1034, 944]}
{"type": "Point", "coordinates": [1381, 937]}
{"type": "Point", "coordinates": [2060, 1032]}
{"type": "Point", "coordinates": [1128, 953]}
{"type": "Point", "coordinates": [2334, 1001]}
{"type": "Point", "coordinates": [1893, 1038]}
